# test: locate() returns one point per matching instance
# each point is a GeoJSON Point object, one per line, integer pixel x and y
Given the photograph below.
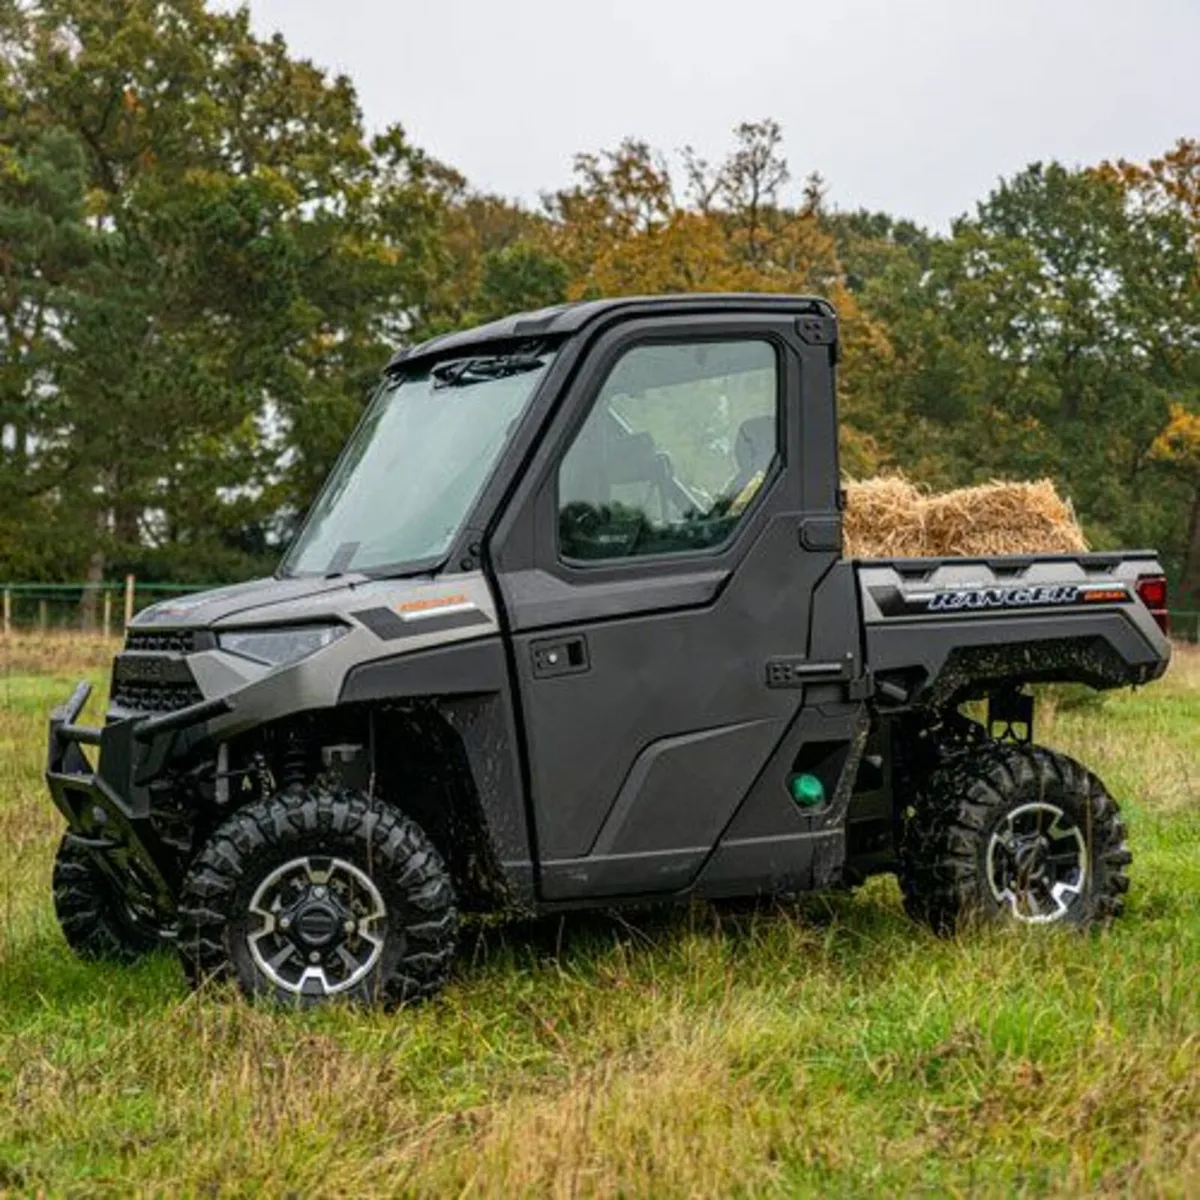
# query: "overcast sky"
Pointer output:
{"type": "Point", "coordinates": [913, 106]}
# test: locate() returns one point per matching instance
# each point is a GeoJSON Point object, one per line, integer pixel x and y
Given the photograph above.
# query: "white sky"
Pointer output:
{"type": "Point", "coordinates": [914, 107]}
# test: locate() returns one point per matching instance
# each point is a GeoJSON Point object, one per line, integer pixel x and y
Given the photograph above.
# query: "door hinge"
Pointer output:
{"type": "Point", "coordinates": [821, 533]}
{"type": "Point", "coordinates": [796, 672]}
{"type": "Point", "coordinates": [817, 330]}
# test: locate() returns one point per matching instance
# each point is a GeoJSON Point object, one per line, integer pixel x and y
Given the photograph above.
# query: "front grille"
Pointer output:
{"type": "Point", "coordinates": [154, 697]}
{"type": "Point", "coordinates": [151, 675]}
{"type": "Point", "coordinates": [162, 641]}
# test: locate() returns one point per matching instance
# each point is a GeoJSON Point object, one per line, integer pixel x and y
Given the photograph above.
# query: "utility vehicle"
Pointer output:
{"type": "Point", "coordinates": [570, 625]}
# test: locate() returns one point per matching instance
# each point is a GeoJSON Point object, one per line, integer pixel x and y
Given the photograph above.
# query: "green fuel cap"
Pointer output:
{"type": "Point", "coordinates": [807, 790]}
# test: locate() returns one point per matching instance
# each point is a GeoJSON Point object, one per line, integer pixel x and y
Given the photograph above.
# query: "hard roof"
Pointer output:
{"type": "Point", "coordinates": [569, 318]}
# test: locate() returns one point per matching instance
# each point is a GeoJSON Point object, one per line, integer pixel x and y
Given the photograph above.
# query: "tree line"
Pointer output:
{"type": "Point", "coordinates": [205, 257]}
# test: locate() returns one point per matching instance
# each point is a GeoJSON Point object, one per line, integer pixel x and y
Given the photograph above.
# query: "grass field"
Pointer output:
{"type": "Point", "coordinates": [830, 1047]}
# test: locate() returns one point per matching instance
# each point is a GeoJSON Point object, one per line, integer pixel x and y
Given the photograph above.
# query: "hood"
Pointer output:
{"type": "Point", "coordinates": [207, 608]}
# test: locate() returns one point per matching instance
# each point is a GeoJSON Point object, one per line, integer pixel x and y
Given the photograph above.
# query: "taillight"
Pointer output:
{"type": "Point", "coordinates": [1152, 591]}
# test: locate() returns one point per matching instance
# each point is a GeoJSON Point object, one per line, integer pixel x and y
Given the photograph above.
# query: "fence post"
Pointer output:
{"type": "Point", "coordinates": [107, 612]}
{"type": "Point", "coordinates": [43, 615]}
{"type": "Point", "coordinates": [128, 600]}
{"type": "Point", "coordinates": [7, 611]}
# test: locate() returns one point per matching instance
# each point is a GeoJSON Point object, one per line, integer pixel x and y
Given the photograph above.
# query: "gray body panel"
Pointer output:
{"type": "Point", "coordinates": [1033, 623]}
{"type": "Point", "coordinates": [266, 693]}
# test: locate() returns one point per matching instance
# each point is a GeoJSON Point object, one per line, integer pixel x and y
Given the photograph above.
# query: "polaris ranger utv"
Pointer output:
{"type": "Point", "coordinates": [569, 625]}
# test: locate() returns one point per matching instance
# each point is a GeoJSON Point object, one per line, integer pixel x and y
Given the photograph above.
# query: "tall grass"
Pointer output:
{"type": "Point", "coordinates": [823, 1046]}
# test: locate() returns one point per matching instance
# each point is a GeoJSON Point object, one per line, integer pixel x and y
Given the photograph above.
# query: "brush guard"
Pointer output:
{"type": "Point", "coordinates": [107, 807]}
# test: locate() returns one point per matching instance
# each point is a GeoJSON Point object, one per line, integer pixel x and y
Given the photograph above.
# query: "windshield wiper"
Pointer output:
{"type": "Point", "coordinates": [462, 372]}
{"type": "Point", "coordinates": [342, 558]}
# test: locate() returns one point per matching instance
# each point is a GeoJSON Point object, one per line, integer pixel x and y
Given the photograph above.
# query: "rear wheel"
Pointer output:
{"type": "Point", "coordinates": [314, 895]}
{"type": "Point", "coordinates": [1018, 833]}
{"type": "Point", "coordinates": [97, 921]}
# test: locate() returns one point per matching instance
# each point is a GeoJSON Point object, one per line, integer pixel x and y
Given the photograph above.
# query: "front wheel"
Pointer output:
{"type": "Point", "coordinates": [96, 919]}
{"type": "Point", "coordinates": [315, 895]}
{"type": "Point", "coordinates": [1017, 833]}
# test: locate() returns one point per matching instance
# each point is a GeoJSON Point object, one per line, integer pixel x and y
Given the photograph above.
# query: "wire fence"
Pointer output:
{"type": "Point", "coordinates": [106, 608]}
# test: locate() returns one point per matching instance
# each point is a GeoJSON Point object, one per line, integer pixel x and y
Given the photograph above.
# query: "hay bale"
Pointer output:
{"type": "Point", "coordinates": [884, 518]}
{"type": "Point", "coordinates": [1002, 518]}
{"type": "Point", "coordinates": [888, 517]}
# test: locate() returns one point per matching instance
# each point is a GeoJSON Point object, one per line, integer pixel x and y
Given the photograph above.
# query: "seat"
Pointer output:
{"type": "Point", "coordinates": [754, 448]}
{"type": "Point", "coordinates": [753, 451]}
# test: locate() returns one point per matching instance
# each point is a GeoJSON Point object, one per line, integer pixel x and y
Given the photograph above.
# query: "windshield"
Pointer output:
{"type": "Point", "coordinates": [415, 465]}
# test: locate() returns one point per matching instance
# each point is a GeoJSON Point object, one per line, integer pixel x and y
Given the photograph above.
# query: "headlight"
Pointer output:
{"type": "Point", "coordinates": [285, 644]}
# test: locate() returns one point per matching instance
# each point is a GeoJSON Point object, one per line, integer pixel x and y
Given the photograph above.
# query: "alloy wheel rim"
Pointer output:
{"type": "Point", "coordinates": [321, 924]}
{"type": "Point", "coordinates": [1037, 863]}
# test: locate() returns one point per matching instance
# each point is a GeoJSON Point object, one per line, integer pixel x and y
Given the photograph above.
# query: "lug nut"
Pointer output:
{"type": "Point", "coordinates": [285, 922]}
{"type": "Point", "coordinates": [319, 891]}
{"type": "Point", "coordinates": [315, 957]}
{"type": "Point", "coordinates": [349, 927]}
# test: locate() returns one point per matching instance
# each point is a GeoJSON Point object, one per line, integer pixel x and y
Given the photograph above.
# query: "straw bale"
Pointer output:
{"type": "Point", "coordinates": [884, 518]}
{"type": "Point", "coordinates": [889, 517]}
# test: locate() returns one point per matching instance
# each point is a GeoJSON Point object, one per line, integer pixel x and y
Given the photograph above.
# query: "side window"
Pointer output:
{"type": "Point", "coordinates": [675, 449]}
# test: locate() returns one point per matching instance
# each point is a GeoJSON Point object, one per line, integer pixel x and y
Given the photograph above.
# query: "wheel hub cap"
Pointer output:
{"type": "Point", "coordinates": [1031, 857]}
{"type": "Point", "coordinates": [317, 926]}
{"type": "Point", "coordinates": [1037, 863]}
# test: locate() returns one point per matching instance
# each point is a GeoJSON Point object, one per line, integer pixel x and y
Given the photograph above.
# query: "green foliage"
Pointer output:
{"type": "Point", "coordinates": [519, 277]}
{"type": "Point", "coordinates": [869, 243]}
{"type": "Point", "coordinates": [1054, 333]}
{"type": "Point", "coordinates": [249, 257]}
{"type": "Point", "coordinates": [45, 247]}
{"type": "Point", "coordinates": [204, 260]}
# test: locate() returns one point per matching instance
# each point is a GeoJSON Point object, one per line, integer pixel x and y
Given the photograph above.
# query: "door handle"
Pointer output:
{"type": "Point", "coordinates": [559, 656]}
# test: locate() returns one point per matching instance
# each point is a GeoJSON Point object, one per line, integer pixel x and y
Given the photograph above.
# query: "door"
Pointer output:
{"type": "Point", "coordinates": [650, 569]}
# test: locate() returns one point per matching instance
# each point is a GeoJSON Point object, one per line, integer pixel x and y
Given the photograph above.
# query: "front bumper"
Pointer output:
{"type": "Point", "coordinates": [107, 807]}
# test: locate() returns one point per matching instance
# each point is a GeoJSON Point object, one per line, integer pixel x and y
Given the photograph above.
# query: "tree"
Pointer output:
{"type": "Point", "coordinates": [204, 260]}
{"type": "Point", "coordinates": [494, 257]}
{"type": "Point", "coordinates": [623, 229]}
{"type": "Point", "coordinates": [1177, 449]}
{"type": "Point", "coordinates": [1051, 335]}
{"type": "Point", "coordinates": [1170, 186]}
{"type": "Point", "coordinates": [45, 247]}
{"type": "Point", "coordinates": [518, 277]}
{"type": "Point", "coordinates": [871, 243]}
{"type": "Point", "coordinates": [749, 180]}
{"type": "Point", "coordinates": [251, 252]}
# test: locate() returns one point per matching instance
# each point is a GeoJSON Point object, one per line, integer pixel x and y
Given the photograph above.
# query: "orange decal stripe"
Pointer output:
{"type": "Point", "coordinates": [411, 606]}
{"type": "Point", "coordinates": [1105, 596]}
